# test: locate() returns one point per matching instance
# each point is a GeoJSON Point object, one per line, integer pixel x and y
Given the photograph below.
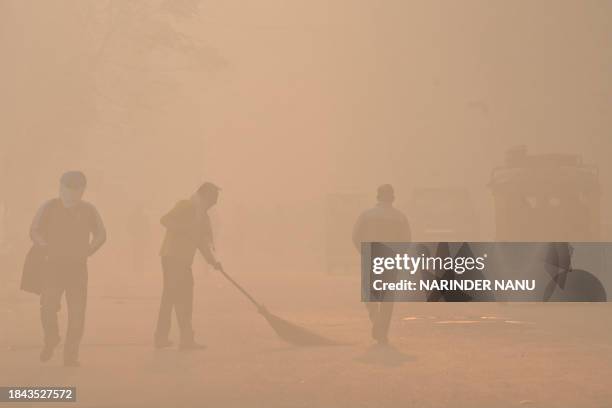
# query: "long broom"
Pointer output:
{"type": "Point", "coordinates": [287, 331]}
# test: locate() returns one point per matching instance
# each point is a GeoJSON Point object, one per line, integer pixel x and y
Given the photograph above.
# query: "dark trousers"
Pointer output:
{"type": "Point", "coordinates": [381, 312]}
{"type": "Point", "coordinates": [380, 315]}
{"type": "Point", "coordinates": [69, 277]}
{"type": "Point", "coordinates": [177, 295]}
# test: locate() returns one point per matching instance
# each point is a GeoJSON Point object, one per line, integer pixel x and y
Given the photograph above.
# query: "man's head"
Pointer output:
{"type": "Point", "coordinates": [72, 187]}
{"type": "Point", "coordinates": [385, 194]}
{"type": "Point", "coordinates": [208, 194]}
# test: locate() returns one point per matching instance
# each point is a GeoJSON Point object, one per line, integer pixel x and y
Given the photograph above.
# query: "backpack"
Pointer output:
{"type": "Point", "coordinates": [34, 266]}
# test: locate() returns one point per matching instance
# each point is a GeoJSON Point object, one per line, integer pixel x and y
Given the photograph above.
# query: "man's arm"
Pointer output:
{"type": "Point", "coordinates": [357, 232]}
{"type": "Point", "coordinates": [98, 234]}
{"type": "Point", "coordinates": [406, 232]}
{"type": "Point", "coordinates": [205, 241]}
{"type": "Point", "coordinates": [207, 253]}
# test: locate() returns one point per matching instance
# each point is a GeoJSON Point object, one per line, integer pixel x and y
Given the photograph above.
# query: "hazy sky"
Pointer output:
{"type": "Point", "coordinates": [284, 102]}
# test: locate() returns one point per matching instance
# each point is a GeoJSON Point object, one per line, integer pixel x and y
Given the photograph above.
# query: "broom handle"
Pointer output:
{"type": "Point", "coordinates": [240, 288]}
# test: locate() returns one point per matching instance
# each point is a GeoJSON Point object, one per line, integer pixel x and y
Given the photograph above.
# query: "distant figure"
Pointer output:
{"type": "Point", "coordinates": [382, 223]}
{"type": "Point", "coordinates": [187, 229]}
{"type": "Point", "coordinates": [67, 230]}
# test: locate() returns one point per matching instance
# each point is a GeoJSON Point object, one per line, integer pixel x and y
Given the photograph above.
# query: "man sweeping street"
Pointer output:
{"type": "Point", "coordinates": [66, 230]}
{"type": "Point", "coordinates": [382, 223]}
{"type": "Point", "coordinates": [187, 229]}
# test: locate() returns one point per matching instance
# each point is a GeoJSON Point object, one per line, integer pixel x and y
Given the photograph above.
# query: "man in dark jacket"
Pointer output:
{"type": "Point", "coordinates": [187, 229]}
{"type": "Point", "coordinates": [67, 230]}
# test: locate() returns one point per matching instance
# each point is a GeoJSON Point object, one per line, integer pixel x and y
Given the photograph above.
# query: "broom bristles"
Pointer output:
{"type": "Point", "coordinates": [295, 334]}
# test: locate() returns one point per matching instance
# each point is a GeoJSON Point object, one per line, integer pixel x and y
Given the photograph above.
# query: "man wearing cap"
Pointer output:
{"type": "Point", "coordinates": [382, 223]}
{"type": "Point", "coordinates": [187, 229]}
{"type": "Point", "coordinates": [67, 230]}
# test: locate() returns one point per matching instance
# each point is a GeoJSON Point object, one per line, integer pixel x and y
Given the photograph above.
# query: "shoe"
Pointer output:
{"type": "Point", "coordinates": [72, 363]}
{"type": "Point", "coordinates": [191, 346]}
{"type": "Point", "coordinates": [47, 351]}
{"type": "Point", "coordinates": [160, 344]}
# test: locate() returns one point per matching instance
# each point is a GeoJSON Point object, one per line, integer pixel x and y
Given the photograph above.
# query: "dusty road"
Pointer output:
{"type": "Point", "coordinates": [459, 355]}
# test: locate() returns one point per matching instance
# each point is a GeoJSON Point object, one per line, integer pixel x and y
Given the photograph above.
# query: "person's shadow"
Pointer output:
{"type": "Point", "coordinates": [384, 355]}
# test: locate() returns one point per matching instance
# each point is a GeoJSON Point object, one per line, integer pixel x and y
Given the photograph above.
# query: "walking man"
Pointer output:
{"type": "Point", "coordinates": [382, 223]}
{"type": "Point", "coordinates": [187, 229]}
{"type": "Point", "coordinates": [67, 230]}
